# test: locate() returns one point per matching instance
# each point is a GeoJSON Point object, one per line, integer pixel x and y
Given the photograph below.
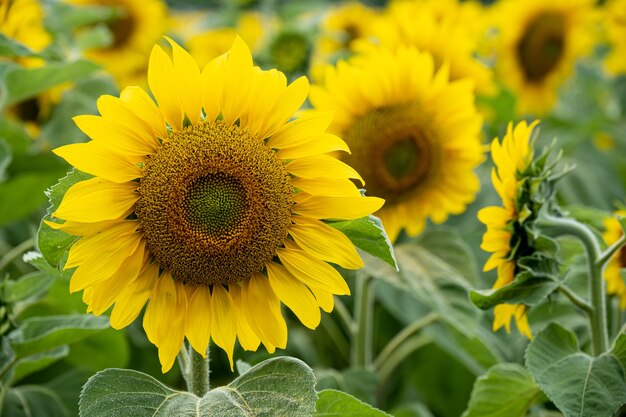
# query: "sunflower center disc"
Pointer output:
{"type": "Point", "coordinates": [542, 45]}
{"type": "Point", "coordinates": [394, 151]}
{"type": "Point", "coordinates": [215, 204]}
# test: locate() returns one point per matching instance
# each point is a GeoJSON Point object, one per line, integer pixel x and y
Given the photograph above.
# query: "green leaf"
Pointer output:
{"type": "Point", "coordinates": [107, 349]}
{"type": "Point", "coordinates": [368, 234]}
{"type": "Point", "coordinates": [24, 83]}
{"type": "Point", "coordinates": [39, 334]}
{"type": "Point", "coordinates": [7, 360]}
{"type": "Point", "coordinates": [358, 382]}
{"type": "Point", "coordinates": [5, 158]}
{"type": "Point", "coordinates": [27, 286]}
{"type": "Point", "coordinates": [578, 384]}
{"type": "Point", "coordinates": [37, 260]}
{"type": "Point", "coordinates": [52, 243]}
{"type": "Point", "coordinates": [332, 403]}
{"type": "Point", "coordinates": [506, 390]}
{"type": "Point", "coordinates": [534, 284]}
{"type": "Point", "coordinates": [25, 188]}
{"type": "Point", "coordinates": [33, 401]}
{"type": "Point", "coordinates": [279, 386]}
{"type": "Point", "coordinates": [34, 363]}
{"type": "Point", "coordinates": [11, 48]}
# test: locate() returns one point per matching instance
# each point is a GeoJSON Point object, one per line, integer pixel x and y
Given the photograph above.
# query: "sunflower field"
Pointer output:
{"type": "Point", "coordinates": [364, 208]}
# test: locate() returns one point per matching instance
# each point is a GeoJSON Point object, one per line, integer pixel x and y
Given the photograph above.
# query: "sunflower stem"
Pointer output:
{"type": "Point", "coordinates": [195, 370]}
{"type": "Point", "coordinates": [364, 315]}
{"type": "Point", "coordinates": [558, 226]}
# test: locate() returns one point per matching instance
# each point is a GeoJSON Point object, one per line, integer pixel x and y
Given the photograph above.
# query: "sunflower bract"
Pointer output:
{"type": "Point", "coordinates": [209, 206]}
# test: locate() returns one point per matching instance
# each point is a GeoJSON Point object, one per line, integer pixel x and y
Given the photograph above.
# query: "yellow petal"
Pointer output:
{"type": "Point", "coordinates": [322, 166]}
{"type": "Point", "coordinates": [187, 79]}
{"type": "Point", "coordinates": [323, 207]}
{"type": "Point", "coordinates": [96, 200]}
{"type": "Point", "coordinates": [132, 299]}
{"type": "Point", "coordinates": [99, 160]}
{"type": "Point", "coordinates": [143, 106]}
{"type": "Point", "coordinates": [294, 294]}
{"type": "Point", "coordinates": [81, 229]}
{"type": "Point", "coordinates": [324, 242]}
{"type": "Point", "coordinates": [332, 187]}
{"type": "Point", "coordinates": [289, 102]}
{"type": "Point", "coordinates": [300, 130]}
{"type": "Point", "coordinates": [318, 145]}
{"type": "Point", "coordinates": [213, 75]}
{"type": "Point", "coordinates": [161, 78]}
{"type": "Point", "coordinates": [325, 299]}
{"type": "Point", "coordinates": [198, 325]}
{"type": "Point", "coordinates": [312, 271]}
{"type": "Point", "coordinates": [223, 321]}
{"type": "Point", "coordinates": [262, 309]}
{"type": "Point", "coordinates": [246, 335]}
{"type": "Point", "coordinates": [121, 115]}
{"type": "Point", "coordinates": [237, 81]}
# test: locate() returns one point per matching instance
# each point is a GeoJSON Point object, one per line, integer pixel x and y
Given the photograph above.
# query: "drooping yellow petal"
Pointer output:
{"type": "Point", "coordinates": [81, 229]}
{"type": "Point", "coordinates": [325, 299]}
{"type": "Point", "coordinates": [99, 160]}
{"type": "Point", "coordinates": [262, 309]}
{"type": "Point", "coordinates": [187, 80]}
{"type": "Point", "coordinates": [133, 297]}
{"type": "Point", "coordinates": [223, 321]}
{"type": "Point", "coordinates": [323, 207]}
{"type": "Point", "coordinates": [96, 200]}
{"type": "Point", "coordinates": [198, 325]}
{"type": "Point", "coordinates": [294, 294]}
{"type": "Point", "coordinates": [324, 242]}
{"type": "Point", "coordinates": [246, 335]}
{"type": "Point", "coordinates": [161, 78]}
{"type": "Point", "coordinates": [311, 271]}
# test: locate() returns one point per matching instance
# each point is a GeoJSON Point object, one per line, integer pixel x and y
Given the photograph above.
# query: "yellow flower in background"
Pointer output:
{"type": "Point", "coordinates": [339, 28]}
{"type": "Point", "coordinates": [612, 274]}
{"type": "Point", "coordinates": [417, 23]}
{"type": "Point", "coordinates": [211, 43]}
{"type": "Point", "coordinates": [209, 206]}
{"type": "Point", "coordinates": [614, 23]}
{"type": "Point", "coordinates": [414, 135]}
{"type": "Point", "coordinates": [510, 157]}
{"type": "Point", "coordinates": [539, 43]}
{"type": "Point", "coordinates": [139, 24]}
{"type": "Point", "coordinates": [22, 20]}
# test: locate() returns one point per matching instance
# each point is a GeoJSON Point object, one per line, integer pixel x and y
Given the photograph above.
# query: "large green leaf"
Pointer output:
{"type": "Point", "coordinates": [24, 83]}
{"type": "Point", "coordinates": [34, 363]}
{"type": "Point", "coordinates": [368, 234]}
{"type": "Point", "coordinates": [359, 382]}
{"type": "Point", "coordinates": [39, 334]}
{"type": "Point", "coordinates": [280, 386]}
{"type": "Point", "coordinates": [506, 390]}
{"type": "Point", "coordinates": [332, 403]}
{"type": "Point", "coordinates": [29, 285]}
{"type": "Point", "coordinates": [10, 48]}
{"type": "Point", "coordinates": [579, 385]}
{"type": "Point", "coordinates": [33, 401]}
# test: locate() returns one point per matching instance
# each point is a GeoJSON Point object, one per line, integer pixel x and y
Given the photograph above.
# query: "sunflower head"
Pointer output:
{"type": "Point", "coordinates": [414, 134]}
{"type": "Point", "coordinates": [209, 206]}
{"type": "Point", "coordinates": [612, 274]}
{"type": "Point", "coordinates": [614, 24]}
{"type": "Point", "coordinates": [539, 45]}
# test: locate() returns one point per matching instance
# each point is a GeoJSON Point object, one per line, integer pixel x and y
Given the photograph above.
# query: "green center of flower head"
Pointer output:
{"type": "Point", "coordinates": [215, 204]}
{"type": "Point", "coordinates": [394, 151]}
{"type": "Point", "coordinates": [542, 45]}
{"type": "Point", "coordinates": [290, 51]}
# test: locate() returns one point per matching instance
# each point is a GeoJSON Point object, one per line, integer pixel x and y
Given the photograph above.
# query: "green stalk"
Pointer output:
{"type": "Point", "coordinates": [364, 315]}
{"type": "Point", "coordinates": [195, 370]}
{"type": "Point", "coordinates": [557, 226]}
{"type": "Point", "coordinates": [16, 251]}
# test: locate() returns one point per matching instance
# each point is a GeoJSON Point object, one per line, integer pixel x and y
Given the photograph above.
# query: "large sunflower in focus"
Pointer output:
{"type": "Point", "coordinates": [414, 135]}
{"type": "Point", "coordinates": [209, 206]}
{"type": "Point", "coordinates": [511, 157]}
{"type": "Point", "coordinates": [423, 25]}
{"type": "Point", "coordinates": [614, 281]}
{"type": "Point", "coordinates": [539, 44]}
{"type": "Point", "coordinates": [615, 27]}
{"type": "Point", "coordinates": [137, 25]}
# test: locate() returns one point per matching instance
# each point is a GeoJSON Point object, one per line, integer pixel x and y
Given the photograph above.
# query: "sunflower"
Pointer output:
{"type": "Point", "coordinates": [422, 25]}
{"type": "Point", "coordinates": [511, 157]}
{"type": "Point", "coordinates": [339, 29]}
{"type": "Point", "coordinates": [414, 135]}
{"type": "Point", "coordinates": [615, 26]}
{"type": "Point", "coordinates": [538, 45]}
{"type": "Point", "coordinates": [612, 273]}
{"type": "Point", "coordinates": [22, 20]}
{"type": "Point", "coordinates": [136, 27]}
{"type": "Point", "coordinates": [210, 205]}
